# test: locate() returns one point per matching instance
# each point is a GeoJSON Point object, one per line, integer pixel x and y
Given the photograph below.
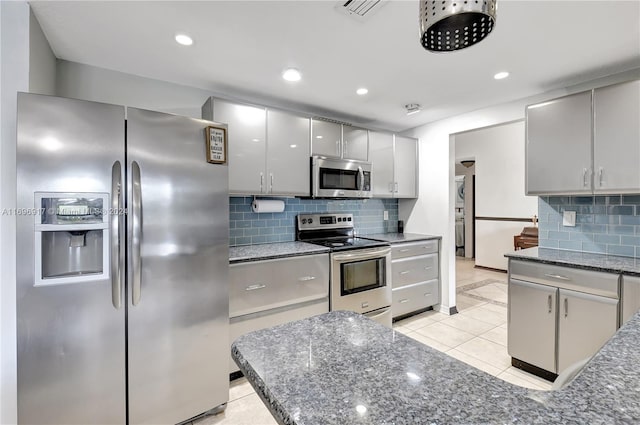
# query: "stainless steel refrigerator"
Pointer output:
{"type": "Point", "coordinates": [122, 315]}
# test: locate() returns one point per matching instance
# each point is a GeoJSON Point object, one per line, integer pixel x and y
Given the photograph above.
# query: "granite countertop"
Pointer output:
{"type": "Point", "coordinates": [267, 251]}
{"type": "Point", "coordinates": [400, 237]}
{"type": "Point", "coordinates": [342, 368]}
{"type": "Point", "coordinates": [582, 260]}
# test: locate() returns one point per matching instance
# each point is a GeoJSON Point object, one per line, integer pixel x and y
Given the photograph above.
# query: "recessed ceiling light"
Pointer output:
{"type": "Point", "coordinates": [255, 140]}
{"type": "Point", "coordinates": [362, 91]}
{"type": "Point", "coordinates": [291, 74]}
{"type": "Point", "coordinates": [318, 137]}
{"type": "Point", "coordinates": [501, 75]}
{"type": "Point", "coordinates": [412, 108]}
{"type": "Point", "coordinates": [293, 146]}
{"type": "Point", "coordinates": [184, 39]}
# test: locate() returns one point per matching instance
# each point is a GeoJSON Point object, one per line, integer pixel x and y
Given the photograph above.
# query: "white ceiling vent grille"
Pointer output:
{"type": "Point", "coordinates": [360, 8]}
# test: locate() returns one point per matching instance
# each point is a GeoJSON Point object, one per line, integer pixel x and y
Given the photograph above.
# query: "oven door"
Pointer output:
{"type": "Point", "coordinates": [338, 178]}
{"type": "Point", "coordinates": [361, 279]}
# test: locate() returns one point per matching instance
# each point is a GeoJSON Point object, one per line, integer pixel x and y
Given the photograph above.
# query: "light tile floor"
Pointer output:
{"type": "Point", "coordinates": [476, 336]}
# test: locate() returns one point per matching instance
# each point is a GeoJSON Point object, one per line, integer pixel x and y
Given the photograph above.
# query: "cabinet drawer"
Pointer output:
{"type": "Point", "coordinates": [263, 285]}
{"type": "Point", "coordinates": [592, 282]}
{"type": "Point", "coordinates": [415, 297]}
{"type": "Point", "coordinates": [253, 322]}
{"type": "Point", "coordinates": [414, 248]}
{"type": "Point", "coordinates": [407, 271]}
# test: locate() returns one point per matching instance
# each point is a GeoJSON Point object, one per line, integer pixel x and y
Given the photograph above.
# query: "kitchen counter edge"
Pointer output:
{"type": "Point", "coordinates": [580, 260]}
{"type": "Point", "coordinates": [270, 251]}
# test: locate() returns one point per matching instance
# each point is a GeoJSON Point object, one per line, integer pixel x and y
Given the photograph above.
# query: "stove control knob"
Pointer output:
{"type": "Point", "coordinates": [349, 218]}
{"type": "Point", "coordinates": [304, 221]}
{"type": "Point", "coordinates": [310, 221]}
{"type": "Point", "coordinates": [339, 219]}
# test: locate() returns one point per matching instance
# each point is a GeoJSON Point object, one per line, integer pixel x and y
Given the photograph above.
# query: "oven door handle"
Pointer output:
{"type": "Point", "coordinates": [362, 255]}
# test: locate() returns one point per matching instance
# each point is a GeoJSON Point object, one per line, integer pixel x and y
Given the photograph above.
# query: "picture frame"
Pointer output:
{"type": "Point", "coordinates": [216, 144]}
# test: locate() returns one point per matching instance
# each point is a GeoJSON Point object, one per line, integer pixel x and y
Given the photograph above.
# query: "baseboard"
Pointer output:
{"type": "Point", "coordinates": [534, 370]}
{"type": "Point", "coordinates": [489, 268]}
{"type": "Point", "coordinates": [413, 313]}
{"type": "Point", "coordinates": [448, 310]}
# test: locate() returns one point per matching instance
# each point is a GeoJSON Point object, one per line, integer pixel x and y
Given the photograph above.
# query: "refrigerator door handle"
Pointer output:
{"type": "Point", "coordinates": [136, 232]}
{"type": "Point", "coordinates": [116, 228]}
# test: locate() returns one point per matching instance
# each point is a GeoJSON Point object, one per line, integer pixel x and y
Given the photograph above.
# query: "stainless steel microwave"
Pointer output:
{"type": "Point", "coordinates": [340, 178]}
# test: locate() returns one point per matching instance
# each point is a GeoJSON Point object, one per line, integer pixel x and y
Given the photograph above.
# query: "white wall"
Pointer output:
{"type": "Point", "coordinates": [433, 212]}
{"type": "Point", "coordinates": [14, 77]}
{"type": "Point", "coordinates": [28, 64]}
{"type": "Point", "coordinates": [499, 155]}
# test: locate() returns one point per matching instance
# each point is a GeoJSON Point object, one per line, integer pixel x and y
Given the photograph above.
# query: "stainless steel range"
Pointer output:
{"type": "Point", "coordinates": [360, 268]}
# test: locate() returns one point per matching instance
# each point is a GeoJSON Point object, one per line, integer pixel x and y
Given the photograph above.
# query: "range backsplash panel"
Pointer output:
{"type": "Point", "coordinates": [604, 224]}
{"type": "Point", "coordinates": [247, 227]}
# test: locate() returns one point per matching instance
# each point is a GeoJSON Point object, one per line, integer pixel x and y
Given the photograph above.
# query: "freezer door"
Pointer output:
{"type": "Point", "coordinates": [178, 306]}
{"type": "Point", "coordinates": [71, 336]}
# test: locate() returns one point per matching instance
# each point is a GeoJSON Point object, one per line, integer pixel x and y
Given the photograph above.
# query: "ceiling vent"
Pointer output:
{"type": "Point", "coordinates": [360, 9]}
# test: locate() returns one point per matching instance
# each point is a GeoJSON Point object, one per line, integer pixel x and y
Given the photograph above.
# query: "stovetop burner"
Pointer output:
{"type": "Point", "coordinates": [332, 230]}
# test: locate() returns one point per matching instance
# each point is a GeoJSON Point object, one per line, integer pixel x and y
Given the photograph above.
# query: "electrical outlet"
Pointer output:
{"type": "Point", "coordinates": [385, 215]}
{"type": "Point", "coordinates": [569, 219]}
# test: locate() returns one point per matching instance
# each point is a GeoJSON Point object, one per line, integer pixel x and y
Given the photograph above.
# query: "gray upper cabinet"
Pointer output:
{"type": "Point", "coordinates": [395, 165]}
{"type": "Point", "coordinates": [381, 153]}
{"type": "Point", "coordinates": [586, 143]}
{"type": "Point", "coordinates": [339, 141]}
{"type": "Point", "coordinates": [268, 150]}
{"type": "Point", "coordinates": [617, 138]}
{"type": "Point", "coordinates": [246, 145]}
{"type": "Point", "coordinates": [287, 154]}
{"type": "Point", "coordinates": [405, 160]}
{"type": "Point", "coordinates": [558, 146]}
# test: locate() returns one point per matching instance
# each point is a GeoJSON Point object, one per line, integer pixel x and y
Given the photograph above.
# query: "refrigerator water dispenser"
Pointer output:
{"type": "Point", "coordinates": [71, 238]}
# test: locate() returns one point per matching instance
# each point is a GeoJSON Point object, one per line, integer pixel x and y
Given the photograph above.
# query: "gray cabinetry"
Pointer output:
{"type": "Point", "coordinates": [532, 323]}
{"type": "Point", "coordinates": [339, 141]}
{"type": "Point", "coordinates": [616, 147]}
{"type": "Point", "coordinates": [415, 269]}
{"type": "Point", "coordinates": [630, 297]}
{"type": "Point", "coordinates": [558, 316]}
{"type": "Point", "coordinates": [271, 292]}
{"type": "Point", "coordinates": [395, 165]}
{"type": "Point", "coordinates": [585, 323]}
{"type": "Point", "coordinates": [558, 146]}
{"type": "Point", "coordinates": [268, 150]}
{"type": "Point", "coordinates": [585, 143]}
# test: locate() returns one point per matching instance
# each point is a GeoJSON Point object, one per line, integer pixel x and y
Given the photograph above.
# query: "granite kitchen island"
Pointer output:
{"type": "Point", "coordinates": [341, 368]}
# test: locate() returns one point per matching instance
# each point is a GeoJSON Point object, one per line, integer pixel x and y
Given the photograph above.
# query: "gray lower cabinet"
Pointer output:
{"type": "Point", "coordinates": [271, 292]}
{"type": "Point", "coordinates": [558, 316]}
{"type": "Point", "coordinates": [630, 297]}
{"type": "Point", "coordinates": [415, 271]}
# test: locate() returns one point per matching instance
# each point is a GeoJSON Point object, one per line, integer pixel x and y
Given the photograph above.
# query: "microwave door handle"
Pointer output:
{"type": "Point", "coordinates": [361, 174]}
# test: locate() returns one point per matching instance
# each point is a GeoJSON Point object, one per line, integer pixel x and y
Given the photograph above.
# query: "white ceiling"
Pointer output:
{"type": "Point", "coordinates": [241, 48]}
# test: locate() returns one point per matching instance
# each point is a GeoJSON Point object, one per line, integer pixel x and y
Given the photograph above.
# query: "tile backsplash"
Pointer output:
{"type": "Point", "coordinates": [247, 227]}
{"type": "Point", "coordinates": [604, 224]}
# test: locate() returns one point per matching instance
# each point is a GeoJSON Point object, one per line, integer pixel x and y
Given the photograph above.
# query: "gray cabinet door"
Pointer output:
{"type": "Point", "coordinates": [585, 323]}
{"type": "Point", "coordinates": [287, 154]}
{"type": "Point", "coordinates": [381, 154]}
{"type": "Point", "coordinates": [246, 145]}
{"type": "Point", "coordinates": [405, 167]}
{"type": "Point", "coordinates": [355, 143]}
{"type": "Point", "coordinates": [617, 138]}
{"type": "Point", "coordinates": [326, 138]}
{"type": "Point", "coordinates": [532, 323]}
{"type": "Point", "coordinates": [558, 146]}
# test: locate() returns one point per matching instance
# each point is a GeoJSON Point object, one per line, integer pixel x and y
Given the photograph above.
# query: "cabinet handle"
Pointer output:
{"type": "Point", "coordinates": [255, 287]}
{"type": "Point", "coordinates": [549, 303]}
{"type": "Point", "coordinates": [338, 148]}
{"type": "Point", "coordinates": [396, 187]}
{"type": "Point", "coordinates": [584, 177]}
{"type": "Point", "coordinates": [404, 250]}
{"type": "Point", "coordinates": [261, 182]}
{"type": "Point", "coordinates": [428, 268]}
{"type": "Point", "coordinates": [346, 148]}
{"type": "Point", "coordinates": [405, 272]}
{"type": "Point", "coordinates": [566, 307]}
{"type": "Point", "coordinates": [404, 300]}
{"type": "Point", "coordinates": [427, 294]}
{"type": "Point", "coordinates": [306, 278]}
{"type": "Point", "coordinates": [391, 187]}
{"type": "Point", "coordinates": [557, 276]}
{"type": "Point", "coordinates": [271, 184]}
{"type": "Point", "coordinates": [600, 172]}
